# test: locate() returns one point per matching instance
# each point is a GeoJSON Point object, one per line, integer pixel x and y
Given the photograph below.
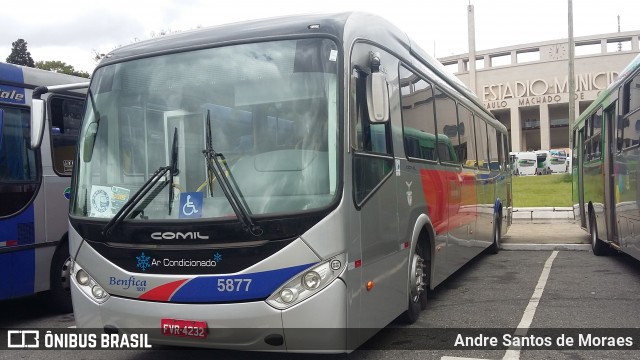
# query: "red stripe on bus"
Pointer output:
{"type": "Point", "coordinates": [162, 292]}
{"type": "Point", "coordinates": [451, 198]}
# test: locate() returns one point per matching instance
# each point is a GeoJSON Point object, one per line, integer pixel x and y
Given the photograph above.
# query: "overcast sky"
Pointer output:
{"type": "Point", "coordinates": [70, 30]}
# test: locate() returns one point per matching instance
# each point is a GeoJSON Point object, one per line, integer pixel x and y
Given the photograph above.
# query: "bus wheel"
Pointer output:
{"type": "Point", "coordinates": [598, 247]}
{"type": "Point", "coordinates": [60, 280]}
{"type": "Point", "coordinates": [497, 235]}
{"type": "Point", "coordinates": [417, 286]}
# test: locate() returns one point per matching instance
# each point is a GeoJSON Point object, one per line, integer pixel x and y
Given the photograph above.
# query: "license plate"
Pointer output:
{"type": "Point", "coordinates": [183, 328]}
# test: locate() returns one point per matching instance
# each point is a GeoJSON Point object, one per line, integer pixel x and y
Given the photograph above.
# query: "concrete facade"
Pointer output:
{"type": "Point", "coordinates": [526, 86]}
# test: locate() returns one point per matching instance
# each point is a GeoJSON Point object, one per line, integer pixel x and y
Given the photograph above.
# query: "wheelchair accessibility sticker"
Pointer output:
{"type": "Point", "coordinates": [191, 205]}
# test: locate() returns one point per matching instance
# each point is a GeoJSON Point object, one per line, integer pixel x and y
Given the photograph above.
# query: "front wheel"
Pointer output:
{"type": "Point", "coordinates": [417, 286]}
{"type": "Point", "coordinates": [60, 293]}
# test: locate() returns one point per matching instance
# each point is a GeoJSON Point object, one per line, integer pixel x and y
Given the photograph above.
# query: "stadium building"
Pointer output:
{"type": "Point", "coordinates": [526, 86]}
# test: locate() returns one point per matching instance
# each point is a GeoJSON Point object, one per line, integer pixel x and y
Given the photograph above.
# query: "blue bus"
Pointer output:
{"type": "Point", "coordinates": [35, 185]}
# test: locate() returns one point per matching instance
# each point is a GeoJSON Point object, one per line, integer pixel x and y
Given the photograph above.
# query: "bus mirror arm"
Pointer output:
{"type": "Point", "coordinates": [38, 109]}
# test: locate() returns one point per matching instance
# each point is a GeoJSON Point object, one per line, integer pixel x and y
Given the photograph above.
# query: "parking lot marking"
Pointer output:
{"type": "Point", "coordinates": [514, 352]}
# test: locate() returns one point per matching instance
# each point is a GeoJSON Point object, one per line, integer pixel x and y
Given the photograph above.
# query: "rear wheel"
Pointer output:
{"type": "Point", "coordinates": [60, 294]}
{"type": "Point", "coordinates": [417, 286]}
{"type": "Point", "coordinates": [598, 247]}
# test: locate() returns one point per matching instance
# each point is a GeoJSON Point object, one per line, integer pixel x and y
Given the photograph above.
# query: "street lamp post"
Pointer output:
{"type": "Point", "coordinates": [572, 84]}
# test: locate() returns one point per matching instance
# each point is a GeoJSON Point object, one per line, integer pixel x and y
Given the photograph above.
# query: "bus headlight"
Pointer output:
{"type": "Point", "coordinates": [89, 286]}
{"type": "Point", "coordinates": [82, 277]}
{"type": "Point", "coordinates": [307, 283]}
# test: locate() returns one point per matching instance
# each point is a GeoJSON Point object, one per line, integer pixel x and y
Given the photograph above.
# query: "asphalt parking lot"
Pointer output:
{"type": "Point", "coordinates": [538, 291]}
{"type": "Point", "coordinates": [544, 280]}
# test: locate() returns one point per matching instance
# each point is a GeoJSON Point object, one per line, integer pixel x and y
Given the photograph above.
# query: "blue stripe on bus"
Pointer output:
{"type": "Point", "coordinates": [18, 271]}
{"type": "Point", "coordinates": [11, 94]}
{"type": "Point", "coordinates": [18, 268]}
{"type": "Point", "coordinates": [241, 287]}
{"type": "Point", "coordinates": [19, 227]}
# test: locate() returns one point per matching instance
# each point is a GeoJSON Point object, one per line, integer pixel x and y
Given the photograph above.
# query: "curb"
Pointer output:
{"type": "Point", "coordinates": [559, 247]}
{"type": "Point", "coordinates": [542, 213]}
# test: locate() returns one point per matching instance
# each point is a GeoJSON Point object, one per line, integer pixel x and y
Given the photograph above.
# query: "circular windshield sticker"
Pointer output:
{"type": "Point", "coordinates": [100, 201]}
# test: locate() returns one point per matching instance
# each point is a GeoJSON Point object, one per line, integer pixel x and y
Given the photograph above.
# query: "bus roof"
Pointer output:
{"type": "Point", "coordinates": [27, 77]}
{"type": "Point", "coordinates": [346, 27]}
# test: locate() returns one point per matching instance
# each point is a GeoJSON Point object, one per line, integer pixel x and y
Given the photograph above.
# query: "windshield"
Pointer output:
{"type": "Point", "coordinates": [17, 161]}
{"type": "Point", "coordinates": [272, 110]}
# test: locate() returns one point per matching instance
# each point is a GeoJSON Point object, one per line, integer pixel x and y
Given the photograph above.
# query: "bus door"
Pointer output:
{"type": "Point", "coordinates": [610, 182]}
{"type": "Point", "coordinates": [58, 153]}
{"type": "Point", "coordinates": [485, 190]}
{"type": "Point", "coordinates": [579, 149]}
{"type": "Point", "coordinates": [375, 198]}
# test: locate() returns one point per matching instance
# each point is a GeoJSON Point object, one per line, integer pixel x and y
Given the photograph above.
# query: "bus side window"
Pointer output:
{"type": "Point", "coordinates": [629, 120]}
{"type": "Point", "coordinates": [483, 157]}
{"type": "Point", "coordinates": [368, 138]}
{"type": "Point", "coordinates": [66, 120]}
{"type": "Point", "coordinates": [467, 148]}
{"type": "Point", "coordinates": [494, 159]}
{"type": "Point", "coordinates": [418, 121]}
{"type": "Point", "coordinates": [447, 120]}
{"type": "Point", "coordinates": [597, 135]}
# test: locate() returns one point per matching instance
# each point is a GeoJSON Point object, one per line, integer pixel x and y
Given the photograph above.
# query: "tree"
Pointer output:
{"type": "Point", "coordinates": [19, 54]}
{"type": "Point", "coordinates": [60, 67]}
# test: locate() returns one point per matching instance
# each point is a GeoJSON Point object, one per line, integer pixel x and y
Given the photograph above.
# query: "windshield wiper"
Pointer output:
{"type": "Point", "coordinates": [134, 200]}
{"type": "Point", "coordinates": [128, 206]}
{"type": "Point", "coordinates": [173, 166]}
{"type": "Point", "coordinates": [214, 167]}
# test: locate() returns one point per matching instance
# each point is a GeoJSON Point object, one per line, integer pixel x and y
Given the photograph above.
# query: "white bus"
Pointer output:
{"type": "Point", "coordinates": [551, 161]}
{"type": "Point", "coordinates": [35, 185]}
{"type": "Point", "coordinates": [526, 163]}
{"type": "Point", "coordinates": [235, 185]}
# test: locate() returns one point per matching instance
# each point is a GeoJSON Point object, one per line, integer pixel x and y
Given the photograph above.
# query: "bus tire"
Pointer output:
{"type": "Point", "coordinates": [598, 247]}
{"type": "Point", "coordinates": [60, 293]}
{"type": "Point", "coordinates": [417, 286]}
{"type": "Point", "coordinates": [494, 248]}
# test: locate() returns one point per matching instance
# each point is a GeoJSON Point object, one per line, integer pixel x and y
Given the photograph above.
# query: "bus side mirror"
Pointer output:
{"type": "Point", "coordinates": [37, 122]}
{"type": "Point", "coordinates": [88, 141]}
{"type": "Point", "coordinates": [377, 98]}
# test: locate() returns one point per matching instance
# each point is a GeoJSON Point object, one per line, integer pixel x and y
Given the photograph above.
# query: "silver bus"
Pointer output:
{"type": "Point", "coordinates": [35, 185]}
{"type": "Point", "coordinates": [291, 184]}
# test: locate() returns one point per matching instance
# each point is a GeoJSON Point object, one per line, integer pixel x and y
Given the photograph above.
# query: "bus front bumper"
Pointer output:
{"type": "Point", "coordinates": [317, 324]}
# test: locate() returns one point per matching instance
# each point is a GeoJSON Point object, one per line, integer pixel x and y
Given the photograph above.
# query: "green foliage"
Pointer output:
{"type": "Point", "coordinates": [542, 191]}
{"type": "Point", "coordinates": [60, 67]}
{"type": "Point", "coordinates": [19, 54]}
